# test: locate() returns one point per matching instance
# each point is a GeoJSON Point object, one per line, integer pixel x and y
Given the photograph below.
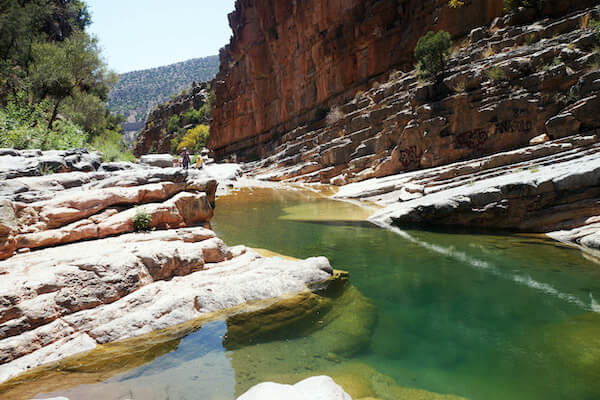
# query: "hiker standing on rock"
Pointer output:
{"type": "Point", "coordinates": [185, 158]}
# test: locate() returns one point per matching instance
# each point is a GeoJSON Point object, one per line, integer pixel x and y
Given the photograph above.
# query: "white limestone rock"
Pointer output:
{"type": "Point", "coordinates": [314, 388]}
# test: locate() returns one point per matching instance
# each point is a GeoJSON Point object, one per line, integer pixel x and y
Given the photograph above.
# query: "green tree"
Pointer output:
{"type": "Point", "coordinates": [60, 70]}
{"type": "Point", "coordinates": [26, 22]}
{"type": "Point", "coordinates": [194, 139]}
{"type": "Point", "coordinates": [432, 51]}
{"type": "Point", "coordinates": [173, 123]}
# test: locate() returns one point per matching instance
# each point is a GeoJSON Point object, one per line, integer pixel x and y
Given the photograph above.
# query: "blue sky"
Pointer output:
{"type": "Point", "coordinates": [140, 34]}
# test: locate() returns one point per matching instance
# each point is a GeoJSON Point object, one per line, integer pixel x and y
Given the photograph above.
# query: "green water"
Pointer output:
{"type": "Point", "coordinates": [481, 316]}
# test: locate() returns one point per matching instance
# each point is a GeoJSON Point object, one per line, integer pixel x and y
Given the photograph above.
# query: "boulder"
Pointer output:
{"type": "Point", "coordinates": [157, 160]}
{"type": "Point", "coordinates": [8, 219]}
{"type": "Point", "coordinates": [314, 388]}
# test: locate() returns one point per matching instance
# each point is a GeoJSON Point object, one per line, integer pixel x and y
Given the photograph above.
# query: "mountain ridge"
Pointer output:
{"type": "Point", "coordinates": [138, 92]}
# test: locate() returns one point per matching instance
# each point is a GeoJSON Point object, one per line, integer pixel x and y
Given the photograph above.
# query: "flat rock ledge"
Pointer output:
{"type": "Point", "coordinates": [314, 388]}
{"type": "Point", "coordinates": [549, 187]}
{"type": "Point", "coordinates": [60, 301]}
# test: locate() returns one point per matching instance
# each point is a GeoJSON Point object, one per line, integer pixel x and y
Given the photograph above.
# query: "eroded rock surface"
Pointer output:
{"type": "Point", "coordinates": [75, 276]}
{"type": "Point", "coordinates": [15, 163]}
{"type": "Point", "coordinates": [63, 208]}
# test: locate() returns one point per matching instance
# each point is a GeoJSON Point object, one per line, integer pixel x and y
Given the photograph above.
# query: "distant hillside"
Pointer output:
{"type": "Point", "coordinates": [138, 92]}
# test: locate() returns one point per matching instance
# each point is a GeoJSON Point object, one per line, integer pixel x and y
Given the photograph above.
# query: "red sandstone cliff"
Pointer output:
{"type": "Point", "coordinates": [287, 59]}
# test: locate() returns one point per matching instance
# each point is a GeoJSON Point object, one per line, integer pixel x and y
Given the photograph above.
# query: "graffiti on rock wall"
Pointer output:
{"type": "Point", "coordinates": [511, 126]}
{"type": "Point", "coordinates": [476, 138]}
{"type": "Point", "coordinates": [409, 157]}
{"type": "Point", "coordinates": [472, 139]}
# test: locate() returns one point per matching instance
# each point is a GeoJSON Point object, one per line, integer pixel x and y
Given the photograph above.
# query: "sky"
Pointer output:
{"type": "Point", "coordinates": [141, 34]}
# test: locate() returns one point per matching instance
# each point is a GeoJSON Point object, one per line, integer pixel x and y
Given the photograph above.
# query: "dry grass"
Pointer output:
{"type": "Point", "coordinates": [334, 115]}
{"type": "Point", "coordinates": [488, 52]}
{"type": "Point", "coordinates": [496, 74]}
{"type": "Point", "coordinates": [584, 21]}
{"type": "Point", "coordinates": [459, 86]}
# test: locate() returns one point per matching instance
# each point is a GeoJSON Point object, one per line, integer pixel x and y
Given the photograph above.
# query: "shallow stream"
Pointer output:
{"type": "Point", "coordinates": [479, 316]}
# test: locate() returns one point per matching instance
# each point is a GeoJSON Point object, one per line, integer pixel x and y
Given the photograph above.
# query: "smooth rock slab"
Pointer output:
{"type": "Point", "coordinates": [314, 388]}
{"type": "Point", "coordinates": [61, 301]}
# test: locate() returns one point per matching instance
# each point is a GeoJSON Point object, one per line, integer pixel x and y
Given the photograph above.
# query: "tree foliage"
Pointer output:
{"type": "Point", "coordinates": [432, 51]}
{"type": "Point", "coordinates": [24, 23]}
{"type": "Point", "coordinates": [69, 68]}
{"type": "Point", "coordinates": [456, 3]}
{"type": "Point", "coordinates": [53, 82]}
{"type": "Point", "coordinates": [195, 139]}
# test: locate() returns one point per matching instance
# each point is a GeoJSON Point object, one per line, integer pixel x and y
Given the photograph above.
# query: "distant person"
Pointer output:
{"type": "Point", "coordinates": [199, 163]}
{"type": "Point", "coordinates": [185, 158]}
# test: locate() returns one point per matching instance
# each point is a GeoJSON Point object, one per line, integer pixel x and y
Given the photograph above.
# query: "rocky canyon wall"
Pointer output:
{"type": "Point", "coordinates": [290, 60]}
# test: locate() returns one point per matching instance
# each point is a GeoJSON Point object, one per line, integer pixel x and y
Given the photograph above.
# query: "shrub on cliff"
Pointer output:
{"type": "Point", "coordinates": [141, 220]}
{"type": "Point", "coordinates": [432, 51]}
{"type": "Point", "coordinates": [595, 25]}
{"type": "Point", "coordinates": [173, 124]}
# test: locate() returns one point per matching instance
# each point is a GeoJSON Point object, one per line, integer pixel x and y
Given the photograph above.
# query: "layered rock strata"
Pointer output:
{"type": "Point", "coordinates": [288, 59]}
{"type": "Point", "coordinates": [505, 86]}
{"type": "Point", "coordinates": [64, 208]}
{"type": "Point", "coordinates": [547, 187]}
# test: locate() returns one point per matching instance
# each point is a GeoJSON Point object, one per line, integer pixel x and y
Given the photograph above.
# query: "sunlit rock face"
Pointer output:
{"type": "Point", "coordinates": [521, 80]}
{"type": "Point", "coordinates": [287, 59]}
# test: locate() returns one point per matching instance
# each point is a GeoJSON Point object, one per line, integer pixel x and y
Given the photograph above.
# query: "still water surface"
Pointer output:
{"type": "Point", "coordinates": [481, 316]}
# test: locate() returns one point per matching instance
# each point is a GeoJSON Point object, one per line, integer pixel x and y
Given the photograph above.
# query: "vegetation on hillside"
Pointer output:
{"type": "Point", "coordinates": [137, 92]}
{"type": "Point", "coordinates": [53, 82]}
